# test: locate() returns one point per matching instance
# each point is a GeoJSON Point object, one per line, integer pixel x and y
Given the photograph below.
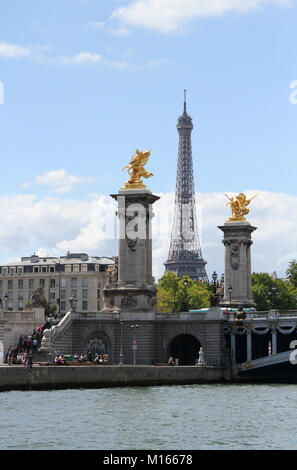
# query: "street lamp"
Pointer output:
{"type": "Point", "coordinates": [215, 296]}
{"type": "Point", "coordinates": [230, 289]}
{"type": "Point", "coordinates": [121, 345]}
{"type": "Point", "coordinates": [134, 343]}
{"type": "Point", "coordinates": [59, 287]}
{"type": "Point", "coordinates": [273, 295]}
{"type": "Point", "coordinates": [185, 303]}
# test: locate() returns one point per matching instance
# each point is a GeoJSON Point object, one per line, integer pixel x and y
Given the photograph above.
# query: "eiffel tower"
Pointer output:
{"type": "Point", "coordinates": [185, 255]}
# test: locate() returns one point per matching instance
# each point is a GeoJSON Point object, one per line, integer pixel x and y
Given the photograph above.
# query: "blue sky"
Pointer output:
{"type": "Point", "coordinates": [87, 82]}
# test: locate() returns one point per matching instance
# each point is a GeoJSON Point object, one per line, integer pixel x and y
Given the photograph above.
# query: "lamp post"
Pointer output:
{"type": "Point", "coordinates": [230, 289]}
{"type": "Point", "coordinates": [134, 343]}
{"type": "Point", "coordinates": [273, 293]}
{"type": "Point", "coordinates": [59, 287]}
{"type": "Point", "coordinates": [185, 303]}
{"type": "Point", "coordinates": [215, 295]}
{"type": "Point", "coordinates": [121, 344]}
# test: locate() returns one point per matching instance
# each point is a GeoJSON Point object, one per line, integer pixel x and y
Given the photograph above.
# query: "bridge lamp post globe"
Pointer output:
{"type": "Point", "coordinates": [273, 293]}
{"type": "Point", "coordinates": [185, 303]}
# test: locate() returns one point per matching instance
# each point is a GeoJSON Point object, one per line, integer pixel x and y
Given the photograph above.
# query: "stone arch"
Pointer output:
{"type": "Point", "coordinates": [98, 342]}
{"type": "Point", "coordinates": [185, 348]}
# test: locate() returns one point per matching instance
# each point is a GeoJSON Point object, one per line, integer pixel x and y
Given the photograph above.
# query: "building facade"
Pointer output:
{"type": "Point", "coordinates": [75, 275]}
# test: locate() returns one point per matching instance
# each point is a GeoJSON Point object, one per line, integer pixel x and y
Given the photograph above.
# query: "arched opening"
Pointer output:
{"type": "Point", "coordinates": [98, 343]}
{"type": "Point", "coordinates": [185, 348]}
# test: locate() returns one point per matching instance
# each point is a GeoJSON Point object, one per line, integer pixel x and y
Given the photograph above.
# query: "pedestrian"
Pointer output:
{"type": "Point", "coordinates": [30, 362]}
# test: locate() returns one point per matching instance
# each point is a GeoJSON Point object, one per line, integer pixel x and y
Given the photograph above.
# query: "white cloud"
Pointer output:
{"type": "Point", "coordinates": [83, 58]}
{"type": "Point", "coordinates": [58, 225]}
{"type": "Point", "coordinates": [59, 181]}
{"type": "Point", "coordinates": [167, 16]}
{"type": "Point", "coordinates": [13, 51]}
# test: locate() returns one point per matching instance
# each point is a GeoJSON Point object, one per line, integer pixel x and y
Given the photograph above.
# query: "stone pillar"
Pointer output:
{"type": "Point", "coordinates": [133, 289]}
{"type": "Point", "coordinates": [233, 345]}
{"type": "Point", "coordinates": [237, 241]}
{"type": "Point", "coordinates": [249, 343]}
{"type": "Point", "coordinates": [273, 340]}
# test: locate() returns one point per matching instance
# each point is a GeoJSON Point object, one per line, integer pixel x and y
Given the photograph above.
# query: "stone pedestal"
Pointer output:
{"type": "Point", "coordinates": [237, 241]}
{"type": "Point", "coordinates": [131, 287]}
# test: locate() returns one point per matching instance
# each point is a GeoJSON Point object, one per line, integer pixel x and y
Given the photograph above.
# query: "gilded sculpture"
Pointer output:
{"type": "Point", "coordinates": [137, 171]}
{"type": "Point", "coordinates": [239, 207]}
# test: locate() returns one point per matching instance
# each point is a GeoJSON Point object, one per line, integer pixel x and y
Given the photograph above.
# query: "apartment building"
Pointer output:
{"type": "Point", "coordinates": [75, 275]}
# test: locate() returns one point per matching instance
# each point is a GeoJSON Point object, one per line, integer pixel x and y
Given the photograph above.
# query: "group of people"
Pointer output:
{"type": "Point", "coordinates": [27, 342]}
{"type": "Point", "coordinates": [22, 354]}
{"type": "Point", "coordinates": [82, 358]}
{"type": "Point", "coordinates": [19, 356]}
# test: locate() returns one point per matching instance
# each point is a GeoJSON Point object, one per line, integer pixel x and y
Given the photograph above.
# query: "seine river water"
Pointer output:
{"type": "Point", "coordinates": [151, 418]}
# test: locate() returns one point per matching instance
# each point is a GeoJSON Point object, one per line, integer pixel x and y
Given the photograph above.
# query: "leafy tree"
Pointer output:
{"type": "Point", "coordinates": [262, 292]}
{"type": "Point", "coordinates": [292, 272]}
{"type": "Point", "coordinates": [171, 293]}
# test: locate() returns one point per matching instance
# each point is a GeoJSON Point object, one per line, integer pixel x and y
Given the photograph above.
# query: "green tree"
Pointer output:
{"type": "Point", "coordinates": [262, 292]}
{"type": "Point", "coordinates": [291, 272]}
{"type": "Point", "coordinates": [171, 293]}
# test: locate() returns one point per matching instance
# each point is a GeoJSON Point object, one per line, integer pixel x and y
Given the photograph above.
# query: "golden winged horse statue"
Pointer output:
{"type": "Point", "coordinates": [137, 171]}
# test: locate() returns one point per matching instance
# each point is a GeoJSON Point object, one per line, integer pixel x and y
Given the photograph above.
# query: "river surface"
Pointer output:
{"type": "Point", "coordinates": [151, 418]}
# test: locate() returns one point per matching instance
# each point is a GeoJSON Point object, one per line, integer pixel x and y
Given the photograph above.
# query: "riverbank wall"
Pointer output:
{"type": "Point", "coordinates": [61, 377]}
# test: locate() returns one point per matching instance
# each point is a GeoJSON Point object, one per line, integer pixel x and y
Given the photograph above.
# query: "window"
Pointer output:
{"type": "Point", "coordinates": [9, 295]}
{"type": "Point", "coordinates": [52, 269]}
{"type": "Point", "coordinates": [85, 282]}
{"type": "Point", "coordinates": [97, 267]}
{"type": "Point", "coordinates": [21, 295]}
{"type": "Point", "coordinates": [74, 293]}
{"type": "Point", "coordinates": [98, 305]}
{"type": "Point", "coordinates": [63, 305]}
{"type": "Point", "coordinates": [21, 284]}
{"type": "Point", "coordinates": [76, 267]}
{"type": "Point", "coordinates": [21, 306]}
{"type": "Point", "coordinates": [53, 283]}
{"type": "Point", "coordinates": [63, 282]}
{"type": "Point", "coordinates": [5, 271]}
{"type": "Point", "coordinates": [85, 305]}
{"type": "Point", "coordinates": [1, 283]}
{"type": "Point", "coordinates": [68, 268]}
{"type": "Point", "coordinates": [41, 283]}
{"type": "Point", "coordinates": [10, 284]}
{"type": "Point", "coordinates": [10, 305]}
{"type": "Point", "coordinates": [85, 293]}
{"type": "Point", "coordinates": [12, 271]}
{"type": "Point", "coordinates": [63, 293]}
{"type": "Point", "coordinates": [99, 283]}
{"type": "Point", "coordinates": [74, 282]}
{"type": "Point", "coordinates": [44, 269]}
{"type": "Point", "coordinates": [31, 283]}
{"type": "Point", "coordinates": [98, 293]}
{"type": "Point", "coordinates": [84, 267]}
{"type": "Point", "coordinates": [52, 295]}
{"type": "Point", "coordinates": [36, 269]}
{"type": "Point", "coordinates": [20, 270]}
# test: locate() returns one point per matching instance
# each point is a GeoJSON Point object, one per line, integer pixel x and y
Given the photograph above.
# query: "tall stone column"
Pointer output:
{"type": "Point", "coordinates": [133, 289]}
{"type": "Point", "coordinates": [237, 241]}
